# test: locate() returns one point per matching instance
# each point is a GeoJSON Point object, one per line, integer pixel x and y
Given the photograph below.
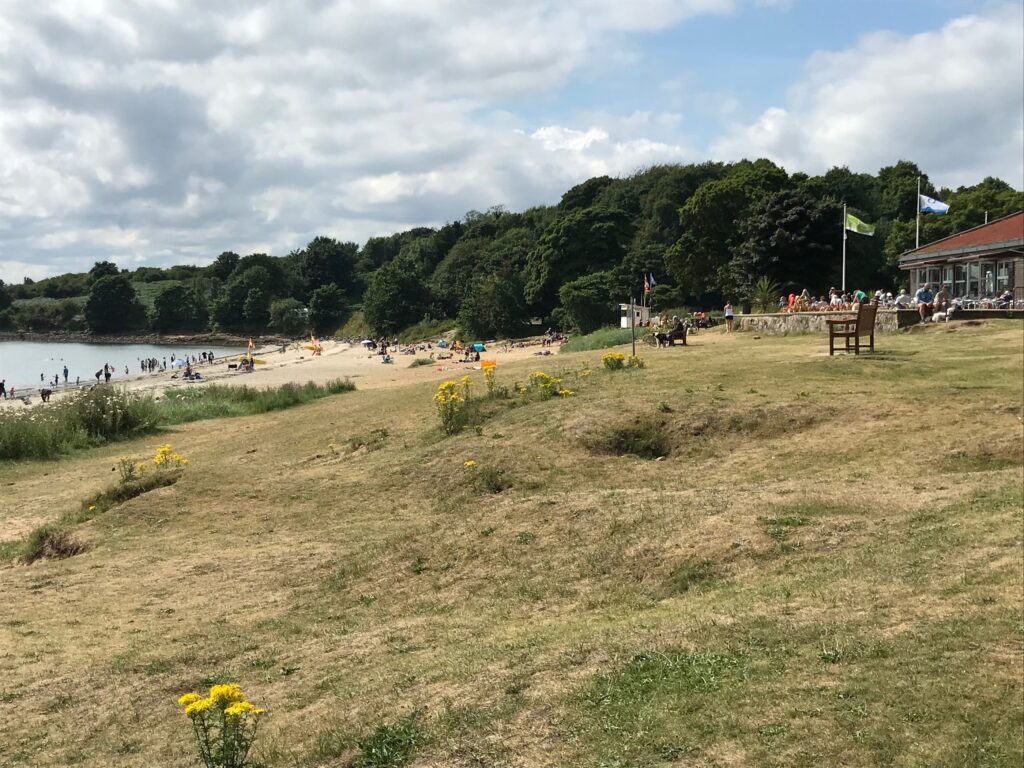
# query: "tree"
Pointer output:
{"type": "Point", "coordinates": [578, 242]}
{"type": "Point", "coordinates": [256, 309]}
{"type": "Point", "coordinates": [177, 308]}
{"type": "Point", "coordinates": [587, 303]}
{"type": "Point", "coordinates": [494, 307]}
{"type": "Point", "coordinates": [224, 265]}
{"type": "Point", "coordinates": [102, 269]}
{"type": "Point", "coordinates": [326, 261]}
{"type": "Point", "coordinates": [794, 238]}
{"type": "Point", "coordinates": [396, 296]}
{"type": "Point", "coordinates": [327, 309]}
{"type": "Point", "coordinates": [288, 317]}
{"type": "Point", "coordinates": [113, 307]}
{"type": "Point", "coordinates": [229, 309]}
{"type": "Point", "coordinates": [5, 297]}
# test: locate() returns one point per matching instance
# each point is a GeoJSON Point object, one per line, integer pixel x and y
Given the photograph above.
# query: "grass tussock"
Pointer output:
{"type": "Point", "coordinates": [118, 494]}
{"type": "Point", "coordinates": [50, 542]}
{"type": "Point", "coordinates": [218, 401]}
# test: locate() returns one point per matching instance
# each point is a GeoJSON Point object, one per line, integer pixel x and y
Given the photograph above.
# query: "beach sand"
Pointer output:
{"type": "Point", "coordinates": [298, 365]}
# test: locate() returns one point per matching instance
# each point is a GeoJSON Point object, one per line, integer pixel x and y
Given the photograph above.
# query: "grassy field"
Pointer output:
{"type": "Point", "coordinates": [824, 569]}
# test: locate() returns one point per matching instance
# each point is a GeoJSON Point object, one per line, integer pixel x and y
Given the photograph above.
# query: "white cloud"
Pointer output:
{"type": "Point", "coordinates": [949, 100]}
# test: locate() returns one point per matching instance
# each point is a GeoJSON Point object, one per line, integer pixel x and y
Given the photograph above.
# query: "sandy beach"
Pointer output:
{"type": "Point", "coordinates": [297, 364]}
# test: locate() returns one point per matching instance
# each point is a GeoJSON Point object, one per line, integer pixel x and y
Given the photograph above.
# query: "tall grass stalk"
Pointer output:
{"type": "Point", "coordinates": [106, 414]}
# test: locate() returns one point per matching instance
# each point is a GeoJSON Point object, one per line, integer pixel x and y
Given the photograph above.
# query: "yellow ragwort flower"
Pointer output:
{"type": "Point", "coordinates": [189, 698]}
{"type": "Point", "coordinates": [226, 694]}
{"type": "Point", "coordinates": [198, 707]}
{"type": "Point", "coordinates": [469, 463]}
{"type": "Point", "coordinates": [241, 708]}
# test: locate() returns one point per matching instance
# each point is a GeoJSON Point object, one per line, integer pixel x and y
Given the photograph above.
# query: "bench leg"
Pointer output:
{"type": "Point", "coordinates": [872, 340]}
{"type": "Point", "coordinates": [831, 343]}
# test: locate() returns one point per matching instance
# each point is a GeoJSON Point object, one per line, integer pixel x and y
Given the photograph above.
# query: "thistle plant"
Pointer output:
{"type": "Point", "coordinates": [224, 725]}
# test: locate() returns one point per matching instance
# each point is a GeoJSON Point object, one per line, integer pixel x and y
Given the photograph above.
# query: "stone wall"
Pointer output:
{"type": "Point", "coordinates": [812, 322]}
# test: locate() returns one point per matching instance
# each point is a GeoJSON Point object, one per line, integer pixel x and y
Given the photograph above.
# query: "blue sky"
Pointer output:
{"type": "Point", "coordinates": [167, 133]}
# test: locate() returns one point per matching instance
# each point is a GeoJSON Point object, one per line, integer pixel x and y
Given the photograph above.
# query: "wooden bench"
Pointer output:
{"type": "Point", "coordinates": [853, 328]}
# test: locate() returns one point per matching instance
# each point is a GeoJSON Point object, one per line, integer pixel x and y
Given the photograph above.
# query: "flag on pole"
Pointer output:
{"type": "Point", "coordinates": [652, 280]}
{"type": "Point", "coordinates": [856, 225]}
{"type": "Point", "coordinates": [647, 285]}
{"type": "Point", "coordinates": [931, 205]}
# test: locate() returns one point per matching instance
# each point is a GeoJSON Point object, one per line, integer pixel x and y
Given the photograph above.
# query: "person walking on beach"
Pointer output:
{"type": "Point", "coordinates": [728, 317]}
{"type": "Point", "coordinates": [65, 374]}
{"type": "Point", "coordinates": [3, 388]}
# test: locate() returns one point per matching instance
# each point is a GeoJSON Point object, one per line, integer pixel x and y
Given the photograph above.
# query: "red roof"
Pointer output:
{"type": "Point", "coordinates": [1007, 232]}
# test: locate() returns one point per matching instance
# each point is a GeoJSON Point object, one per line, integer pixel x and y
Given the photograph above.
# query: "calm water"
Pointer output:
{"type": "Point", "coordinates": [21, 362]}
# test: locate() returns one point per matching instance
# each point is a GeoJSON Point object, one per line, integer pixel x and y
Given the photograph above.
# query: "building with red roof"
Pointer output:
{"type": "Point", "coordinates": [979, 263]}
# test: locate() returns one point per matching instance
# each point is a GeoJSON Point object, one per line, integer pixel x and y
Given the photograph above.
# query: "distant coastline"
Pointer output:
{"type": "Point", "coordinates": [199, 339]}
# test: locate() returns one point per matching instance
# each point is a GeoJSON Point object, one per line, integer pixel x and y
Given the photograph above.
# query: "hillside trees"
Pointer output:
{"type": "Point", "coordinates": [102, 269]}
{"type": "Point", "coordinates": [112, 306]}
{"type": "Point", "coordinates": [397, 295]}
{"type": "Point", "coordinates": [177, 308]}
{"type": "Point", "coordinates": [327, 309]}
{"type": "Point", "coordinates": [288, 317]}
{"type": "Point", "coordinates": [586, 301]}
{"type": "Point", "coordinates": [494, 307]}
{"type": "Point", "coordinates": [325, 261]}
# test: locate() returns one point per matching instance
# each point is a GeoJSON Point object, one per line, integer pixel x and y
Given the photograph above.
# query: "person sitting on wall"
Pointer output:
{"type": "Point", "coordinates": [1005, 299]}
{"type": "Point", "coordinates": [924, 301]}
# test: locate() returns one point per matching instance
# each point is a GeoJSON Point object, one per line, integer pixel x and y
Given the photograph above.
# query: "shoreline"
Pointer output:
{"type": "Point", "coordinates": [194, 339]}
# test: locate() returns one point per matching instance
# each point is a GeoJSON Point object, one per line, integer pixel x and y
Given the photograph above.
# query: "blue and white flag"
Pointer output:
{"type": "Point", "coordinates": [931, 205]}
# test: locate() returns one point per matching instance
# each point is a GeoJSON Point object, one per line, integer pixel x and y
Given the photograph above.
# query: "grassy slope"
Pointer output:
{"type": "Point", "coordinates": [827, 570]}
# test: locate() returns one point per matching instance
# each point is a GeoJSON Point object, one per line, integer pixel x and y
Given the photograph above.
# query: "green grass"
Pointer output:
{"type": "Point", "coordinates": [426, 330]}
{"type": "Point", "coordinates": [106, 414]}
{"type": "Point", "coordinates": [602, 339]}
{"type": "Point", "coordinates": [212, 401]}
{"type": "Point", "coordinates": [798, 583]}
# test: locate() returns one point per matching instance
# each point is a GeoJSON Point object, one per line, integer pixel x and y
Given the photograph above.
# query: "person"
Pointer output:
{"type": "Point", "coordinates": [923, 301]}
{"type": "Point", "coordinates": [45, 394]}
{"type": "Point", "coordinates": [65, 374]}
{"type": "Point", "coordinates": [859, 297]}
{"type": "Point", "coordinates": [1005, 299]}
{"type": "Point", "coordinates": [941, 302]}
{"type": "Point", "coordinates": [3, 388]}
{"type": "Point", "coordinates": [903, 301]}
{"type": "Point", "coordinates": [728, 317]}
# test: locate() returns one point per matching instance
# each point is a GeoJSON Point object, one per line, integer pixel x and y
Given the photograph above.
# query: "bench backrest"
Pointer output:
{"type": "Point", "coordinates": [866, 317]}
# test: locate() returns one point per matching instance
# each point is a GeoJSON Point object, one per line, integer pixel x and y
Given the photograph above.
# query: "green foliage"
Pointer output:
{"type": "Point", "coordinates": [88, 418]}
{"type": "Point", "coordinates": [5, 297]}
{"type": "Point", "coordinates": [602, 339]}
{"type": "Point", "coordinates": [112, 306]}
{"type": "Point", "coordinates": [106, 414]}
{"type": "Point", "coordinates": [587, 303]}
{"type": "Point", "coordinates": [420, 362]}
{"type": "Point", "coordinates": [488, 478]}
{"type": "Point", "coordinates": [102, 269]}
{"type": "Point", "coordinates": [287, 317]}
{"type": "Point", "coordinates": [764, 296]}
{"type": "Point", "coordinates": [176, 307]}
{"type": "Point", "coordinates": [325, 261]}
{"type": "Point", "coordinates": [494, 308]}
{"type": "Point", "coordinates": [396, 296]}
{"type": "Point", "coordinates": [327, 309]}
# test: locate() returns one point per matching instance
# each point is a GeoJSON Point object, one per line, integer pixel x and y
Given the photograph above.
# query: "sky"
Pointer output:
{"type": "Point", "coordinates": [159, 132]}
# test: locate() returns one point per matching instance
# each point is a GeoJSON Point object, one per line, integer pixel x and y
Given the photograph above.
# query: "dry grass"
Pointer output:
{"type": "Point", "coordinates": [826, 569]}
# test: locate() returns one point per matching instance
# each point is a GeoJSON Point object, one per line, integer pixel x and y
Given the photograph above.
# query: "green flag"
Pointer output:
{"type": "Point", "coordinates": [856, 225]}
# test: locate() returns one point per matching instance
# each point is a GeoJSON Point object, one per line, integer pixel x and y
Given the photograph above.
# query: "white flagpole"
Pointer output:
{"type": "Point", "coordinates": [844, 247]}
{"type": "Point", "coordinates": [917, 239]}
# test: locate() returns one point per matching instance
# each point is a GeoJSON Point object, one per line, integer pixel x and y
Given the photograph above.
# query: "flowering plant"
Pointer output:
{"type": "Point", "coordinates": [224, 724]}
{"type": "Point", "coordinates": [451, 399]}
{"type": "Point", "coordinates": [613, 361]}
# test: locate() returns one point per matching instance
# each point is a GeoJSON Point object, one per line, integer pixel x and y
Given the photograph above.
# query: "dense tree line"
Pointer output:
{"type": "Point", "coordinates": [706, 232]}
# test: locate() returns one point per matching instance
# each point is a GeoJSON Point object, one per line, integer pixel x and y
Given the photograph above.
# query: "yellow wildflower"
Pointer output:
{"type": "Point", "coordinates": [92, 507]}
{"type": "Point", "coordinates": [189, 698]}
{"type": "Point", "coordinates": [198, 707]}
{"type": "Point", "coordinates": [469, 463]}
{"type": "Point", "coordinates": [240, 708]}
{"type": "Point", "coordinates": [226, 694]}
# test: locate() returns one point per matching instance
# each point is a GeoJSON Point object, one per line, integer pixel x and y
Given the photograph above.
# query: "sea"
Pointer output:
{"type": "Point", "coordinates": [23, 362]}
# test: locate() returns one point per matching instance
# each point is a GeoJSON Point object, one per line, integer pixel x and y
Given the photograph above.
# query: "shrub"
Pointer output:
{"type": "Point", "coordinates": [51, 543]}
{"type": "Point", "coordinates": [613, 361]}
{"type": "Point", "coordinates": [224, 725]}
{"type": "Point", "coordinates": [635, 361]}
{"type": "Point", "coordinates": [487, 478]}
{"type": "Point", "coordinates": [420, 361]}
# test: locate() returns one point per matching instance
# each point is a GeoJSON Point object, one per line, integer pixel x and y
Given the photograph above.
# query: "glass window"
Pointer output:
{"type": "Point", "coordinates": [1004, 276]}
{"type": "Point", "coordinates": [934, 275]}
{"type": "Point", "coordinates": [973, 277]}
{"type": "Point", "coordinates": [947, 275]}
{"type": "Point", "coordinates": [988, 278]}
{"type": "Point", "coordinates": [959, 281]}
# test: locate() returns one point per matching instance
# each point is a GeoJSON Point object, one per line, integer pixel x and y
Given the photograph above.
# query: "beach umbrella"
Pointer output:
{"type": "Point", "coordinates": [366, 342]}
{"type": "Point", "coordinates": [478, 347]}
{"type": "Point", "coordinates": [179, 363]}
